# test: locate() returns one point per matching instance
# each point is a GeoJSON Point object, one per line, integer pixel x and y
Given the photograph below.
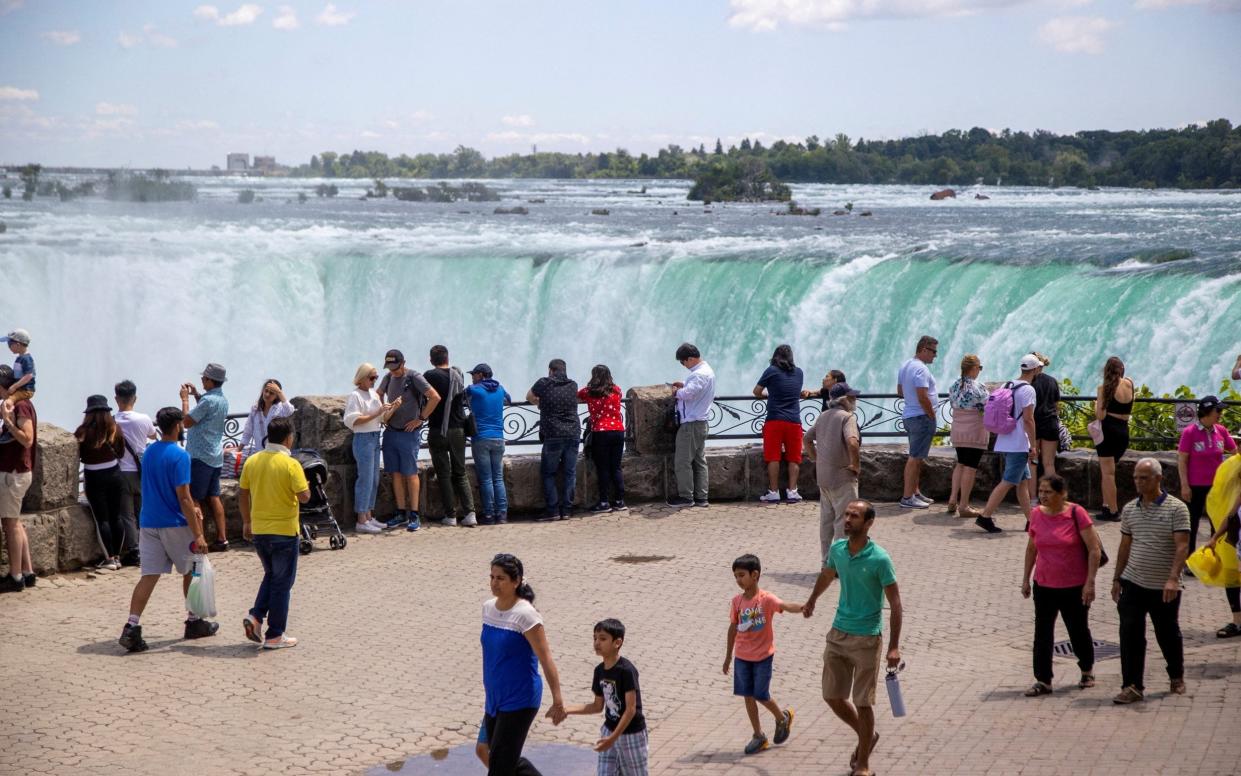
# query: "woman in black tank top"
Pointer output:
{"type": "Point", "coordinates": [1113, 414]}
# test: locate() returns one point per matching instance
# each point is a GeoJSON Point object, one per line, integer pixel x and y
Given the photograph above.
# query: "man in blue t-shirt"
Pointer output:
{"type": "Point", "coordinates": [781, 386]}
{"type": "Point", "coordinates": [916, 385]}
{"type": "Point", "coordinates": [170, 527]}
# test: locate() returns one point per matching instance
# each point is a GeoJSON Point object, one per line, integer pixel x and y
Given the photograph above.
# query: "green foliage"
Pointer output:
{"type": "Point", "coordinates": [30, 180]}
{"type": "Point", "coordinates": [245, 196]}
{"type": "Point", "coordinates": [8, 192]}
{"type": "Point", "coordinates": [141, 188]}
{"type": "Point", "coordinates": [1149, 419]}
{"type": "Point", "coordinates": [738, 180]}
{"type": "Point", "coordinates": [1194, 157]}
{"type": "Point", "coordinates": [326, 190]}
{"type": "Point", "coordinates": [445, 192]}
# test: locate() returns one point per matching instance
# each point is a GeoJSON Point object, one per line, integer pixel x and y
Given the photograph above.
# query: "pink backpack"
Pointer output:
{"type": "Point", "coordinates": [999, 416]}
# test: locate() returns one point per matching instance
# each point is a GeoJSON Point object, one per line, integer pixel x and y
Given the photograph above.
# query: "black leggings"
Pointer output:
{"type": "Point", "coordinates": [1198, 508]}
{"type": "Point", "coordinates": [506, 735]}
{"type": "Point", "coordinates": [103, 491]}
{"type": "Point", "coordinates": [607, 449]}
{"type": "Point", "coordinates": [1067, 603]}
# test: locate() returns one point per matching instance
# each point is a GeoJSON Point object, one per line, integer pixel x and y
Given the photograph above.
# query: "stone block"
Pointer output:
{"type": "Point", "coordinates": [77, 541]}
{"type": "Point", "coordinates": [319, 422]}
{"type": "Point", "coordinates": [54, 480]}
{"type": "Point", "coordinates": [883, 472]}
{"type": "Point", "coordinates": [523, 483]}
{"type": "Point", "coordinates": [647, 477]}
{"type": "Point", "coordinates": [43, 533]}
{"type": "Point", "coordinates": [727, 469]}
{"type": "Point", "coordinates": [648, 408]}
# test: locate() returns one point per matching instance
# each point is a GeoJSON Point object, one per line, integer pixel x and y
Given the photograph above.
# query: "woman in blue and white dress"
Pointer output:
{"type": "Point", "coordinates": [968, 398]}
{"type": "Point", "coordinates": [514, 644]}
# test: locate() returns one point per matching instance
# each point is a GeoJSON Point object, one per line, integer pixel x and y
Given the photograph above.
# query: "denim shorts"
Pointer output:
{"type": "Point", "coordinates": [752, 678]}
{"type": "Point", "coordinates": [204, 480]}
{"type": "Point", "coordinates": [920, 429]}
{"type": "Point", "coordinates": [400, 451]}
{"type": "Point", "coordinates": [1016, 468]}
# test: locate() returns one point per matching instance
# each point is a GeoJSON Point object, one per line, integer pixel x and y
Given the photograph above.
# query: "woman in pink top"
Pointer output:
{"type": "Point", "coordinates": [1203, 447]}
{"type": "Point", "coordinates": [1063, 552]}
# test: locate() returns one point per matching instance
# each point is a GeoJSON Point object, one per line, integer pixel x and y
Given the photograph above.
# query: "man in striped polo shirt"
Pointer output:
{"type": "Point", "coordinates": [1154, 540]}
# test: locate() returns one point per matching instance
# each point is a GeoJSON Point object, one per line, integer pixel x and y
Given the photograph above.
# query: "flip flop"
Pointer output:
{"type": "Point", "coordinates": [874, 739]}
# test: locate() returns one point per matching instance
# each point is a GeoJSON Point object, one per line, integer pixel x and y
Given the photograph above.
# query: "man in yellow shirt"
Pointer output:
{"type": "Point", "coordinates": [272, 485]}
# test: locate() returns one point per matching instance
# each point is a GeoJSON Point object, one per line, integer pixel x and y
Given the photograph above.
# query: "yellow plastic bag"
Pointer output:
{"type": "Point", "coordinates": [1224, 490]}
{"type": "Point", "coordinates": [1215, 567]}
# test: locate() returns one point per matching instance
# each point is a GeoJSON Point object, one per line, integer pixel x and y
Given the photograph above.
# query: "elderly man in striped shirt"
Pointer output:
{"type": "Point", "coordinates": [1154, 540]}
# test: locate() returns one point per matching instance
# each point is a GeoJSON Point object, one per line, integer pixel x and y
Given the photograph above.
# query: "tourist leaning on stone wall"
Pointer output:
{"type": "Point", "coordinates": [487, 399]}
{"type": "Point", "coordinates": [607, 424]}
{"type": "Point", "coordinates": [138, 430]}
{"type": "Point", "coordinates": [17, 457]}
{"type": "Point", "coordinates": [363, 410]}
{"type": "Point", "coordinates": [694, 398]}
{"type": "Point", "coordinates": [559, 430]}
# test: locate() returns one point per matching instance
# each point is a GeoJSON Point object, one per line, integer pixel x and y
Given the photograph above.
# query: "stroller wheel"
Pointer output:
{"type": "Point", "coordinates": [305, 546]}
{"type": "Point", "coordinates": [333, 542]}
{"type": "Point", "coordinates": [314, 533]}
{"type": "Point", "coordinates": [343, 541]}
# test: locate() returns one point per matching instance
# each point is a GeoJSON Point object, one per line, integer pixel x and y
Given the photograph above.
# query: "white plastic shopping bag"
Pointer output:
{"type": "Point", "coordinates": [201, 596]}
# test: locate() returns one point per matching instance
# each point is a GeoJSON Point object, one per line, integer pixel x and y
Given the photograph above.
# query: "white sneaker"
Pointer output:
{"type": "Point", "coordinates": [284, 641]}
{"type": "Point", "coordinates": [449, 521]}
{"type": "Point", "coordinates": [912, 503]}
{"type": "Point", "coordinates": [792, 496]}
{"type": "Point", "coordinates": [469, 521]}
{"type": "Point", "coordinates": [378, 526]}
{"type": "Point", "coordinates": [367, 528]}
{"type": "Point", "coordinates": [923, 499]}
{"type": "Point", "coordinates": [770, 497]}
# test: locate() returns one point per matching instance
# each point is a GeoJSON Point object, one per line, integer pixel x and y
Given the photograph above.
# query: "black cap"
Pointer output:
{"type": "Point", "coordinates": [96, 403]}
{"type": "Point", "coordinates": [1209, 403]}
{"type": "Point", "coordinates": [393, 358]}
{"type": "Point", "coordinates": [842, 389]}
{"type": "Point", "coordinates": [482, 369]}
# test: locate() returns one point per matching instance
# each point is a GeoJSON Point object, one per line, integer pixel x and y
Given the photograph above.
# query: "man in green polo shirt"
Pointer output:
{"type": "Point", "coordinates": [851, 659]}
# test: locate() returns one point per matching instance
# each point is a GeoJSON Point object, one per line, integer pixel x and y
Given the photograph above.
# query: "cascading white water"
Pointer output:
{"type": "Point", "coordinates": [305, 292]}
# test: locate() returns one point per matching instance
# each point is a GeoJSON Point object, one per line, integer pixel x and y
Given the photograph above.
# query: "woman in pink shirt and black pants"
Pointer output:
{"type": "Point", "coordinates": [1203, 447]}
{"type": "Point", "coordinates": [1064, 554]}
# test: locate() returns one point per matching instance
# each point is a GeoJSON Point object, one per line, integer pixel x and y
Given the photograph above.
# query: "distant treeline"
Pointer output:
{"type": "Point", "coordinates": [1195, 157]}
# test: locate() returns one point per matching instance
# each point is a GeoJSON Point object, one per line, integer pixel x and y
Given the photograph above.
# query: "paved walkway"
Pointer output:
{"type": "Point", "coordinates": [389, 664]}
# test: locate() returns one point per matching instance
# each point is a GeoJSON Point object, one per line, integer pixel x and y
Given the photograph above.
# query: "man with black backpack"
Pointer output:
{"type": "Point", "coordinates": [138, 431]}
{"type": "Point", "coordinates": [446, 438]}
{"type": "Point", "coordinates": [414, 400]}
{"type": "Point", "coordinates": [1009, 415]}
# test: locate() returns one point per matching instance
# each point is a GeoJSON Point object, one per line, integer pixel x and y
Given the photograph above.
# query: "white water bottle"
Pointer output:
{"type": "Point", "coordinates": [895, 698]}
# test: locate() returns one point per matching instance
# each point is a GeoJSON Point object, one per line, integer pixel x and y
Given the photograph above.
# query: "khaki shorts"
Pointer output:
{"type": "Point", "coordinates": [161, 549]}
{"type": "Point", "coordinates": [851, 663]}
{"type": "Point", "coordinates": [13, 489]}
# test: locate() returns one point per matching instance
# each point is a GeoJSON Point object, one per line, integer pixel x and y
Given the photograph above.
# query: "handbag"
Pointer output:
{"type": "Point", "coordinates": [1103, 559]}
{"type": "Point", "coordinates": [1095, 428]}
{"type": "Point", "coordinates": [588, 436]}
{"type": "Point", "coordinates": [672, 418]}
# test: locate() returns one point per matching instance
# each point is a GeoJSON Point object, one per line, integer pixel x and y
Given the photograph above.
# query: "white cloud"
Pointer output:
{"type": "Point", "coordinates": [333, 17]}
{"type": "Point", "coordinates": [8, 6]}
{"type": "Point", "coordinates": [1221, 6]}
{"type": "Point", "coordinates": [1076, 34]}
{"type": "Point", "coordinates": [524, 120]}
{"type": "Point", "coordinates": [114, 109]}
{"type": "Point", "coordinates": [63, 37]}
{"type": "Point", "coordinates": [392, 124]}
{"type": "Point", "coordinates": [149, 35]}
{"type": "Point", "coordinates": [13, 93]}
{"type": "Point", "coordinates": [420, 116]}
{"type": "Point", "coordinates": [765, 15]}
{"type": "Point", "coordinates": [369, 135]}
{"type": "Point", "coordinates": [244, 15]}
{"type": "Point", "coordinates": [511, 136]}
{"type": "Point", "coordinates": [287, 20]}
{"type": "Point", "coordinates": [196, 126]}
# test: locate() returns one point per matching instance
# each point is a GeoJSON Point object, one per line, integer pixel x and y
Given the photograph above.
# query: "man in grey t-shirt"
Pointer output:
{"type": "Point", "coordinates": [415, 400]}
{"type": "Point", "coordinates": [835, 444]}
{"type": "Point", "coordinates": [1154, 541]}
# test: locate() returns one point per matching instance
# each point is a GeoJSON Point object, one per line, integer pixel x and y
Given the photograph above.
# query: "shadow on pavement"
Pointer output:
{"type": "Point", "coordinates": [552, 759]}
{"type": "Point", "coordinates": [248, 650]}
{"type": "Point", "coordinates": [109, 647]}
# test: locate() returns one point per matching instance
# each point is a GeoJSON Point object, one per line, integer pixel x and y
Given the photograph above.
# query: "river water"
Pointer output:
{"type": "Point", "coordinates": [305, 292]}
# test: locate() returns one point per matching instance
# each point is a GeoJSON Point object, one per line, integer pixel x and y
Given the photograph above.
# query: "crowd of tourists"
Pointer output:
{"type": "Point", "coordinates": [150, 484]}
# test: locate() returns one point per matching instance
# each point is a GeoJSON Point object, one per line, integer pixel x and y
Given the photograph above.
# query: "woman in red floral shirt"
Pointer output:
{"type": "Point", "coordinates": [607, 423]}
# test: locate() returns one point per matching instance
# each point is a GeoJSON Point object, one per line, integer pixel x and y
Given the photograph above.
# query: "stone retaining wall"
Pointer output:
{"type": "Point", "coordinates": [63, 536]}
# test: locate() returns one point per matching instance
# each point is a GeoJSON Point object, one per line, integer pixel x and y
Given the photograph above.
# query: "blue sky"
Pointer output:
{"type": "Point", "coordinates": [179, 84]}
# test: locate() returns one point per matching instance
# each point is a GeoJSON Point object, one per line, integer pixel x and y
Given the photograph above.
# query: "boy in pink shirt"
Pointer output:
{"type": "Point", "coordinates": [751, 634]}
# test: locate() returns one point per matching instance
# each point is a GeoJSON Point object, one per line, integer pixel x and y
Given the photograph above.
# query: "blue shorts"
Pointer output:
{"type": "Point", "coordinates": [400, 450]}
{"type": "Point", "coordinates": [1016, 468]}
{"type": "Point", "coordinates": [921, 430]}
{"type": "Point", "coordinates": [752, 678]}
{"type": "Point", "coordinates": [204, 480]}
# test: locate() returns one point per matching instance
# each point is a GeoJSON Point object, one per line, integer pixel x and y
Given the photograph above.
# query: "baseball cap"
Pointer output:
{"type": "Point", "coordinates": [20, 336]}
{"type": "Point", "coordinates": [482, 369]}
{"type": "Point", "coordinates": [1209, 403]}
{"type": "Point", "coordinates": [842, 389]}
{"type": "Point", "coordinates": [393, 358]}
{"type": "Point", "coordinates": [1030, 362]}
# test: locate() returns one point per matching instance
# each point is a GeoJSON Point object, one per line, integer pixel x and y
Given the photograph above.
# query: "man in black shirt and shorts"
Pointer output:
{"type": "Point", "coordinates": [1046, 422]}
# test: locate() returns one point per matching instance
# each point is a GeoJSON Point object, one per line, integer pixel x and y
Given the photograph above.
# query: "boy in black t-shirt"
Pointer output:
{"type": "Point", "coordinates": [622, 745]}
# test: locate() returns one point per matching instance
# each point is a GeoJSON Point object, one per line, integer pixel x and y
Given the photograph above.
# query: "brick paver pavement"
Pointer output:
{"type": "Point", "coordinates": [389, 665]}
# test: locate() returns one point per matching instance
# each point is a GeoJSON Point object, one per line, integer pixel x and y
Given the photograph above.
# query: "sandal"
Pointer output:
{"type": "Point", "coordinates": [1228, 631]}
{"type": "Point", "coordinates": [1037, 689]}
{"type": "Point", "coordinates": [952, 508]}
{"type": "Point", "coordinates": [1087, 681]}
{"type": "Point", "coordinates": [874, 739]}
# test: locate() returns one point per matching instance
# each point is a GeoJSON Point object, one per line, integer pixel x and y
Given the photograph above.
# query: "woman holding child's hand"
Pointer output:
{"type": "Point", "coordinates": [514, 644]}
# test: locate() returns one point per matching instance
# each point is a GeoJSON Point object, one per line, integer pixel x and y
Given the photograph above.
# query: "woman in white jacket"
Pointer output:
{"type": "Point", "coordinates": [364, 413]}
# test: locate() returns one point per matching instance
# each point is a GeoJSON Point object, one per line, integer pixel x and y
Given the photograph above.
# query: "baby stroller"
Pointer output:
{"type": "Point", "coordinates": [316, 514]}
